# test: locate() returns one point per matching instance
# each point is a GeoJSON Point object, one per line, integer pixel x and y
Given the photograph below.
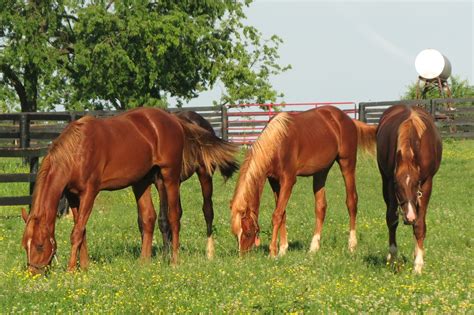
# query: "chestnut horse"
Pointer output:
{"type": "Point", "coordinates": [408, 154]}
{"type": "Point", "coordinates": [130, 149]}
{"type": "Point", "coordinates": [205, 179]}
{"type": "Point", "coordinates": [302, 144]}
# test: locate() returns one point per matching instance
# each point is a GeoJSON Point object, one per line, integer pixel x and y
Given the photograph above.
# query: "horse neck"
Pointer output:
{"type": "Point", "coordinates": [51, 182]}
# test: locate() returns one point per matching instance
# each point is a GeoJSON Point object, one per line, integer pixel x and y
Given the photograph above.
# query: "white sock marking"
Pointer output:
{"type": "Point", "coordinates": [210, 248]}
{"type": "Point", "coordinates": [315, 243]}
{"type": "Point", "coordinates": [352, 240]}
{"type": "Point", "coordinates": [418, 259]}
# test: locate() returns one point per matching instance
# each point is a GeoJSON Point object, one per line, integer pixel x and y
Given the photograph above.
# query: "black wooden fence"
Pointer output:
{"type": "Point", "coordinates": [454, 117]}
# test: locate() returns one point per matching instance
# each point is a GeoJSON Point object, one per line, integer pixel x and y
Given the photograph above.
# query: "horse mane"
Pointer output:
{"type": "Point", "coordinates": [259, 159]}
{"type": "Point", "coordinates": [61, 152]}
{"type": "Point", "coordinates": [405, 134]}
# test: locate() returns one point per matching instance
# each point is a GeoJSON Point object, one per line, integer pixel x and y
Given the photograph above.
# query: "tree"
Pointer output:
{"type": "Point", "coordinates": [34, 36]}
{"type": "Point", "coordinates": [135, 53]}
{"type": "Point", "coordinates": [459, 89]}
{"type": "Point", "coordinates": [106, 54]}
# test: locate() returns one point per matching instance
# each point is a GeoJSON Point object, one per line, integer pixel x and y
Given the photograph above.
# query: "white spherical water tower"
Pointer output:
{"type": "Point", "coordinates": [433, 70]}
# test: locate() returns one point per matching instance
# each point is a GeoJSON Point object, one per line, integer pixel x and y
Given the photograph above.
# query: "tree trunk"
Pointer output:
{"type": "Point", "coordinates": [31, 89]}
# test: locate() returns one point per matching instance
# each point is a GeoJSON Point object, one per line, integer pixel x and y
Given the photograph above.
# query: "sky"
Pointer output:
{"type": "Point", "coordinates": [359, 50]}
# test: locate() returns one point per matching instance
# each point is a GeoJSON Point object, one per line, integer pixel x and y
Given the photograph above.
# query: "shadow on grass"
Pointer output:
{"type": "Point", "coordinates": [123, 250]}
{"type": "Point", "coordinates": [265, 249]}
{"type": "Point", "coordinates": [380, 261]}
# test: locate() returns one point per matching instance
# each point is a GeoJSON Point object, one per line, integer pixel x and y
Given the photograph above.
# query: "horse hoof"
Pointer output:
{"type": "Point", "coordinates": [417, 269]}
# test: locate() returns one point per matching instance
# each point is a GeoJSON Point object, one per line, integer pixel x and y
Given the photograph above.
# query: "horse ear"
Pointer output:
{"type": "Point", "coordinates": [24, 215]}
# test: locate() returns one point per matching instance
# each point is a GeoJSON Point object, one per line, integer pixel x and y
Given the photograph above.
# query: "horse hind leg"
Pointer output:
{"type": "Point", "coordinates": [171, 180]}
{"type": "Point", "coordinates": [146, 217]}
{"type": "Point", "coordinates": [206, 186]}
{"type": "Point", "coordinates": [348, 166]}
{"type": "Point", "coordinates": [163, 222]}
{"type": "Point", "coordinates": [319, 181]}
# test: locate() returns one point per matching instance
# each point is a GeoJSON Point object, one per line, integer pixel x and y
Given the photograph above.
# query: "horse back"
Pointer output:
{"type": "Point", "coordinates": [319, 136]}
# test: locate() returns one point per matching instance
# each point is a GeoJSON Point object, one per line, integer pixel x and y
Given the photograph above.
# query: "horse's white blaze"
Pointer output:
{"type": "Point", "coordinates": [210, 248]}
{"type": "Point", "coordinates": [352, 240]}
{"type": "Point", "coordinates": [411, 215]}
{"type": "Point", "coordinates": [239, 236]}
{"type": "Point", "coordinates": [28, 245]}
{"type": "Point", "coordinates": [315, 243]}
{"type": "Point", "coordinates": [408, 180]}
{"type": "Point", "coordinates": [392, 253]}
{"type": "Point", "coordinates": [418, 258]}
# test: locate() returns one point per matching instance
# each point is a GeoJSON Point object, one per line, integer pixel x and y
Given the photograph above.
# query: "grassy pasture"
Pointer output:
{"type": "Point", "coordinates": [331, 280]}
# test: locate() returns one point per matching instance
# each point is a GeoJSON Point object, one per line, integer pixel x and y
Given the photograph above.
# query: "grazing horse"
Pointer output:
{"type": "Point", "coordinates": [130, 149]}
{"type": "Point", "coordinates": [408, 155]}
{"type": "Point", "coordinates": [205, 179]}
{"type": "Point", "coordinates": [302, 144]}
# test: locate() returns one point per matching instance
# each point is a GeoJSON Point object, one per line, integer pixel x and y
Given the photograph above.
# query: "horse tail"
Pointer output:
{"type": "Point", "coordinates": [366, 136]}
{"type": "Point", "coordinates": [228, 169]}
{"type": "Point", "coordinates": [204, 148]}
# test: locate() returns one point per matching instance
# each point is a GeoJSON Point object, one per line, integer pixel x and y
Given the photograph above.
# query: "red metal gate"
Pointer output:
{"type": "Point", "coordinates": [245, 122]}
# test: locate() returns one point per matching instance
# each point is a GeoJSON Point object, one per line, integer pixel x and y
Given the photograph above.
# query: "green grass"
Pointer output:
{"type": "Point", "coordinates": [331, 280]}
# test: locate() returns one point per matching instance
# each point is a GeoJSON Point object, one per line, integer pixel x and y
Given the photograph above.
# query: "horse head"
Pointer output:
{"type": "Point", "coordinates": [39, 244]}
{"type": "Point", "coordinates": [408, 190]}
{"type": "Point", "coordinates": [245, 228]}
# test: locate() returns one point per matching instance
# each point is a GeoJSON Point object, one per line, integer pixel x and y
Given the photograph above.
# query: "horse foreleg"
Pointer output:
{"type": "Point", "coordinates": [278, 217]}
{"type": "Point", "coordinates": [391, 218]}
{"type": "Point", "coordinates": [347, 166]}
{"type": "Point", "coordinates": [419, 228]}
{"type": "Point", "coordinates": [171, 179]}
{"type": "Point", "coordinates": [206, 186]}
{"type": "Point", "coordinates": [78, 234]}
{"type": "Point", "coordinates": [146, 217]}
{"type": "Point", "coordinates": [73, 202]}
{"type": "Point", "coordinates": [275, 185]}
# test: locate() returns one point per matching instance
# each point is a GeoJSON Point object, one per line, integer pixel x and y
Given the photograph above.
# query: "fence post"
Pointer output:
{"type": "Point", "coordinates": [224, 122]}
{"type": "Point", "coordinates": [24, 131]}
{"type": "Point", "coordinates": [433, 105]}
{"type": "Point", "coordinates": [34, 163]}
{"type": "Point", "coordinates": [362, 113]}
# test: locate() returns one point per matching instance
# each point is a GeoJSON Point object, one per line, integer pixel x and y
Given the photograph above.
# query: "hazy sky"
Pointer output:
{"type": "Point", "coordinates": [360, 50]}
